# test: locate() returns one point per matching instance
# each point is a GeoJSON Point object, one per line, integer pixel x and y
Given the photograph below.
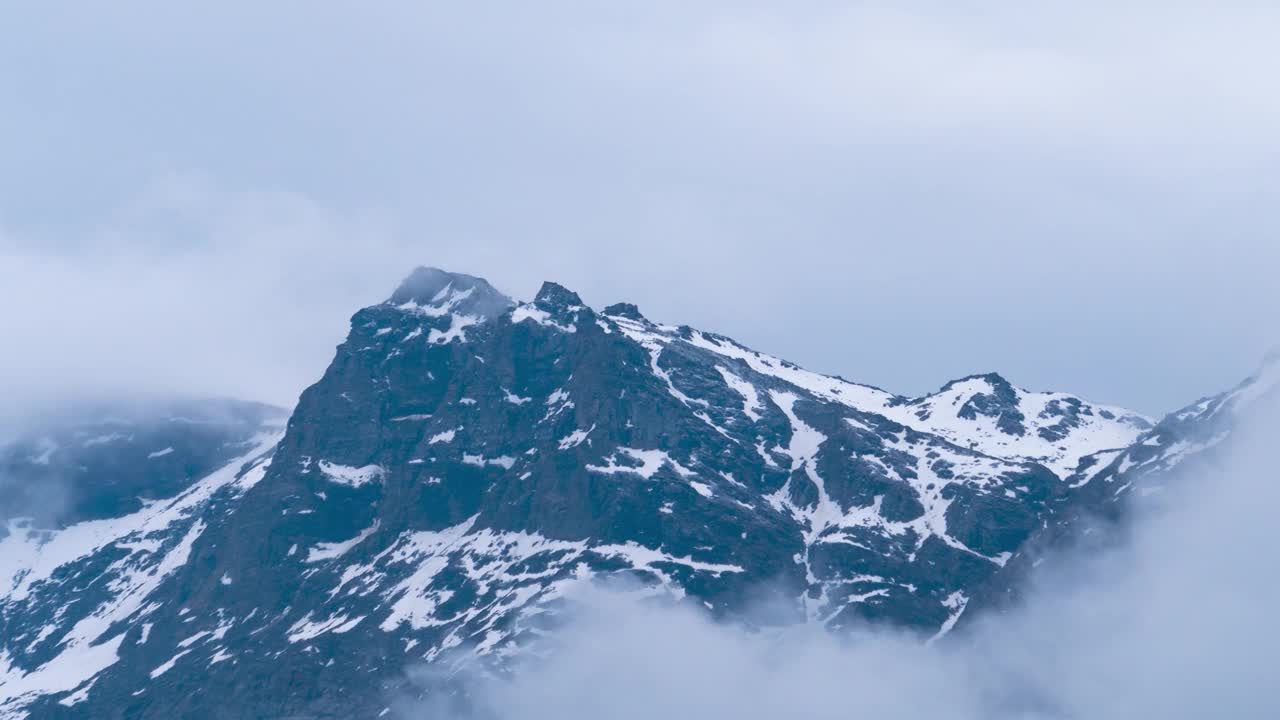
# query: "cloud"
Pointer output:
{"type": "Point", "coordinates": [188, 290]}
{"type": "Point", "coordinates": [1138, 75]}
{"type": "Point", "coordinates": [1178, 623]}
{"type": "Point", "coordinates": [862, 188]}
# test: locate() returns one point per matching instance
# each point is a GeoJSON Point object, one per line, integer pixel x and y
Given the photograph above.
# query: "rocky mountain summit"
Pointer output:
{"type": "Point", "coordinates": [467, 460]}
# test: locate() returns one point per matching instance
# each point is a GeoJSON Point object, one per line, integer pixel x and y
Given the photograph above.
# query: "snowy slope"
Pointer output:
{"type": "Point", "coordinates": [466, 461]}
{"type": "Point", "coordinates": [1102, 493]}
{"type": "Point", "coordinates": [982, 412]}
{"type": "Point", "coordinates": [70, 595]}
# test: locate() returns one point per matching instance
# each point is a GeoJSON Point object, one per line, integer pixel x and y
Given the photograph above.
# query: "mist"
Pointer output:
{"type": "Point", "coordinates": [192, 291]}
{"type": "Point", "coordinates": [1175, 622]}
{"type": "Point", "coordinates": [195, 199]}
{"type": "Point", "coordinates": [200, 199]}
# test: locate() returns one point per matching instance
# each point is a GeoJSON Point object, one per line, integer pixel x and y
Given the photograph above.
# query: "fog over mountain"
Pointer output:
{"type": "Point", "coordinates": [568, 360]}
{"type": "Point", "coordinates": [493, 508]}
{"type": "Point", "coordinates": [1173, 623]}
{"type": "Point", "coordinates": [861, 187]}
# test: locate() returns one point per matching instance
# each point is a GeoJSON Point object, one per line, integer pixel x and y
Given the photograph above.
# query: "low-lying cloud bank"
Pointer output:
{"type": "Point", "coordinates": [1177, 623]}
{"type": "Point", "coordinates": [862, 188]}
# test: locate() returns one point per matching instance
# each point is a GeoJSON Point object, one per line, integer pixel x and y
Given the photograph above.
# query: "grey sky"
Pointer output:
{"type": "Point", "coordinates": [1079, 195]}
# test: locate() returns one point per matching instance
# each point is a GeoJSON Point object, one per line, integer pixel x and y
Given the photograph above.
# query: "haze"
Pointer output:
{"type": "Point", "coordinates": [1173, 623]}
{"type": "Point", "coordinates": [1078, 195]}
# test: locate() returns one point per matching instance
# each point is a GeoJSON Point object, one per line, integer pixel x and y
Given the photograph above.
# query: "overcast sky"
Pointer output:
{"type": "Point", "coordinates": [1082, 196]}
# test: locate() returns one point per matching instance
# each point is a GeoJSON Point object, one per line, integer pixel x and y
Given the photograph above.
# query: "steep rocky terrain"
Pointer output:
{"type": "Point", "coordinates": [1103, 490]}
{"type": "Point", "coordinates": [466, 460]}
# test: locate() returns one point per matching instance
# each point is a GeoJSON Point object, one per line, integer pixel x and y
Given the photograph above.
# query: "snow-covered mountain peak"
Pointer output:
{"type": "Point", "coordinates": [983, 413]}
{"type": "Point", "coordinates": [989, 381]}
{"type": "Point", "coordinates": [625, 310]}
{"type": "Point", "coordinates": [465, 461]}
{"type": "Point", "coordinates": [436, 304]}
{"type": "Point", "coordinates": [554, 306]}
{"type": "Point", "coordinates": [989, 414]}
{"type": "Point", "coordinates": [554, 296]}
{"type": "Point", "coordinates": [436, 292]}
{"type": "Point", "coordinates": [988, 395]}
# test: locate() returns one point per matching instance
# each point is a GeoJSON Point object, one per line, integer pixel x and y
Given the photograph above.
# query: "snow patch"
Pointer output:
{"type": "Point", "coordinates": [751, 406]}
{"type": "Point", "coordinates": [529, 312]}
{"type": "Point", "coordinates": [650, 462]}
{"type": "Point", "coordinates": [575, 438]}
{"type": "Point", "coordinates": [351, 476]}
{"type": "Point", "coordinates": [329, 551]}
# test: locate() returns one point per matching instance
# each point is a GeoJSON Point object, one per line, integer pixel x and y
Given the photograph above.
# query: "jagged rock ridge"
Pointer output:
{"type": "Point", "coordinates": [466, 460]}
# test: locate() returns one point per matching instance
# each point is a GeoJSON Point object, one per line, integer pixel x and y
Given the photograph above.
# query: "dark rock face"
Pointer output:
{"type": "Point", "coordinates": [465, 461]}
{"type": "Point", "coordinates": [999, 402]}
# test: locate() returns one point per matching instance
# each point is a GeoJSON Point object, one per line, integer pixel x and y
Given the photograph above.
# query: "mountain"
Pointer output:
{"type": "Point", "coordinates": [466, 460]}
{"type": "Point", "coordinates": [1103, 490]}
{"type": "Point", "coordinates": [108, 458]}
{"type": "Point", "coordinates": [113, 495]}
